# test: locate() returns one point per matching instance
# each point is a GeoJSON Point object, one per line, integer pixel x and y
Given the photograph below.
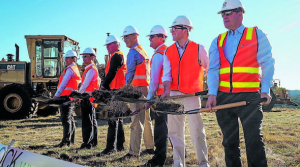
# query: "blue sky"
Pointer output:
{"type": "Point", "coordinates": [89, 21]}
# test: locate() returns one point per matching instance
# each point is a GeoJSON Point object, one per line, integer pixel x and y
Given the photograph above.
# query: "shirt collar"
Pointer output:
{"type": "Point", "coordinates": [158, 47]}
{"type": "Point", "coordinates": [88, 65]}
{"type": "Point", "coordinates": [134, 45]}
{"type": "Point", "coordinates": [177, 44]}
{"type": "Point", "coordinates": [238, 30]}
{"type": "Point", "coordinates": [71, 65]}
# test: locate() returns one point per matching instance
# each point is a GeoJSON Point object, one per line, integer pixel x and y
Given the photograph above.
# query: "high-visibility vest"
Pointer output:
{"type": "Point", "coordinates": [242, 75]}
{"type": "Point", "coordinates": [142, 71]}
{"type": "Point", "coordinates": [73, 82]}
{"type": "Point", "coordinates": [187, 74]}
{"type": "Point", "coordinates": [94, 85]}
{"type": "Point", "coordinates": [119, 80]}
{"type": "Point", "coordinates": [160, 89]}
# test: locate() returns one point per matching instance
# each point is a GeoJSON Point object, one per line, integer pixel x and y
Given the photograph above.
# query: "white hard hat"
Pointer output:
{"type": "Point", "coordinates": [158, 29]}
{"type": "Point", "coordinates": [231, 4]}
{"type": "Point", "coordinates": [70, 53]}
{"type": "Point", "coordinates": [182, 21]}
{"type": "Point", "coordinates": [88, 51]}
{"type": "Point", "coordinates": [130, 30]}
{"type": "Point", "coordinates": [111, 39]}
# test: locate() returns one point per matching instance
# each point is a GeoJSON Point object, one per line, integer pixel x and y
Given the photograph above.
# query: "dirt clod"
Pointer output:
{"type": "Point", "coordinates": [129, 91]}
{"type": "Point", "coordinates": [168, 105]}
{"type": "Point", "coordinates": [102, 96]}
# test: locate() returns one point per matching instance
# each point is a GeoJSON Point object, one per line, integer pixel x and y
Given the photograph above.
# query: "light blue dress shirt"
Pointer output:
{"type": "Point", "coordinates": [264, 59]}
{"type": "Point", "coordinates": [133, 58]}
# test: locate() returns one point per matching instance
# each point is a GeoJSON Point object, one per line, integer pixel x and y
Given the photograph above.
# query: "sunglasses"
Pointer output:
{"type": "Point", "coordinates": [126, 36]}
{"type": "Point", "coordinates": [175, 28]}
{"type": "Point", "coordinates": [229, 12]}
{"type": "Point", "coordinates": [152, 36]}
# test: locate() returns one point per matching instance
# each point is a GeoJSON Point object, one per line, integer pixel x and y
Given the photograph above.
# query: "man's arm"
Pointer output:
{"type": "Point", "coordinates": [64, 82]}
{"type": "Point", "coordinates": [213, 75]}
{"type": "Point", "coordinates": [167, 77]}
{"type": "Point", "coordinates": [203, 58]}
{"type": "Point", "coordinates": [115, 64]}
{"type": "Point", "coordinates": [156, 67]}
{"type": "Point", "coordinates": [266, 62]}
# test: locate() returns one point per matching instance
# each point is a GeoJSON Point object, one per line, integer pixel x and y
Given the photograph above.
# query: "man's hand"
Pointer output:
{"type": "Point", "coordinates": [55, 97]}
{"type": "Point", "coordinates": [147, 105]}
{"type": "Point", "coordinates": [211, 102]}
{"type": "Point", "coordinates": [262, 95]}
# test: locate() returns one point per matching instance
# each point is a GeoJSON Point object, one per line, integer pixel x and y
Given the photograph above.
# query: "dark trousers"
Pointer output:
{"type": "Point", "coordinates": [68, 123]}
{"type": "Point", "coordinates": [115, 126]}
{"type": "Point", "coordinates": [160, 138]}
{"type": "Point", "coordinates": [89, 123]}
{"type": "Point", "coordinates": [251, 117]}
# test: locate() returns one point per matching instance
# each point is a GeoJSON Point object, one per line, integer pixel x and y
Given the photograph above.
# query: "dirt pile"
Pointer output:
{"type": "Point", "coordinates": [129, 91]}
{"type": "Point", "coordinates": [168, 105]}
{"type": "Point", "coordinates": [117, 109]}
{"type": "Point", "coordinates": [102, 96]}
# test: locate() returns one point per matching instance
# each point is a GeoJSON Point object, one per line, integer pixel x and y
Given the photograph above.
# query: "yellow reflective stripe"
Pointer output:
{"type": "Point", "coordinates": [222, 39]}
{"type": "Point", "coordinates": [225, 70]}
{"type": "Point", "coordinates": [245, 84]}
{"type": "Point", "coordinates": [253, 70]}
{"type": "Point", "coordinates": [240, 84]}
{"type": "Point", "coordinates": [249, 33]}
{"type": "Point", "coordinates": [225, 84]}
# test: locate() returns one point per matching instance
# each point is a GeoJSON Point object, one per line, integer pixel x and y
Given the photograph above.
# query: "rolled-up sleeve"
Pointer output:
{"type": "Point", "coordinates": [213, 75]}
{"type": "Point", "coordinates": [156, 67]}
{"type": "Point", "coordinates": [265, 61]}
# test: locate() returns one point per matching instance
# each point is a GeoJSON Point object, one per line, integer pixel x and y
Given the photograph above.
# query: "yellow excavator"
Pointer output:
{"type": "Point", "coordinates": [21, 82]}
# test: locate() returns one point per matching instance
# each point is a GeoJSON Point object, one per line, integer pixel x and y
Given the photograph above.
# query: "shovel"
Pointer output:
{"type": "Point", "coordinates": [224, 106]}
{"type": "Point", "coordinates": [131, 100]}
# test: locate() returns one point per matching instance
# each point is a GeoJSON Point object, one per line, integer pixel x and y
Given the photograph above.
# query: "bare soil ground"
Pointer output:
{"type": "Point", "coordinates": [281, 130]}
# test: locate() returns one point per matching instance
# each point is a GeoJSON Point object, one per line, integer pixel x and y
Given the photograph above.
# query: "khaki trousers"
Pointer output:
{"type": "Point", "coordinates": [140, 125]}
{"type": "Point", "coordinates": [176, 130]}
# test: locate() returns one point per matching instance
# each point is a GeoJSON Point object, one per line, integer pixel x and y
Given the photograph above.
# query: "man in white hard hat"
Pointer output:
{"type": "Point", "coordinates": [138, 75]}
{"type": "Point", "coordinates": [183, 66]}
{"type": "Point", "coordinates": [68, 82]}
{"type": "Point", "coordinates": [90, 82]}
{"type": "Point", "coordinates": [114, 79]}
{"type": "Point", "coordinates": [233, 75]}
{"type": "Point", "coordinates": [157, 38]}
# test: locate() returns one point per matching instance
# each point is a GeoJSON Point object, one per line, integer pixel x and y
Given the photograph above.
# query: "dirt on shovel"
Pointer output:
{"type": "Point", "coordinates": [129, 91]}
{"type": "Point", "coordinates": [168, 105]}
{"type": "Point", "coordinates": [117, 109]}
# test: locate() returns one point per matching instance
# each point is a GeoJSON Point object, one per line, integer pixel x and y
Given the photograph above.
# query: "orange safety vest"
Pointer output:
{"type": "Point", "coordinates": [187, 74]}
{"type": "Point", "coordinates": [94, 85]}
{"type": "Point", "coordinates": [73, 82]}
{"type": "Point", "coordinates": [161, 50]}
{"type": "Point", "coordinates": [142, 71]}
{"type": "Point", "coordinates": [242, 75]}
{"type": "Point", "coordinates": [119, 80]}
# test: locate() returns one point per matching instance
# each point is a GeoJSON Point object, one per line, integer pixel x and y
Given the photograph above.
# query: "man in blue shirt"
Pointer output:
{"type": "Point", "coordinates": [138, 75]}
{"type": "Point", "coordinates": [233, 75]}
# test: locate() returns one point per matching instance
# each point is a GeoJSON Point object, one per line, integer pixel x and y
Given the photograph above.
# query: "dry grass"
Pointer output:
{"type": "Point", "coordinates": [281, 133]}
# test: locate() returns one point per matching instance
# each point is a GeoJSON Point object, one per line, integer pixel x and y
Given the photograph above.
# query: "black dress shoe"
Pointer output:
{"type": "Point", "coordinates": [127, 157]}
{"type": "Point", "coordinates": [151, 163]}
{"type": "Point", "coordinates": [120, 148]}
{"type": "Point", "coordinates": [85, 145]}
{"type": "Point", "coordinates": [147, 151]}
{"type": "Point", "coordinates": [63, 143]}
{"type": "Point", "coordinates": [107, 151]}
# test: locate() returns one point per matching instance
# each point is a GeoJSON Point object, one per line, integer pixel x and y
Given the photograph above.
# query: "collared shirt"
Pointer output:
{"type": "Point", "coordinates": [133, 58]}
{"type": "Point", "coordinates": [264, 59]}
{"type": "Point", "coordinates": [203, 60]}
{"type": "Point", "coordinates": [156, 66]}
{"type": "Point", "coordinates": [89, 77]}
{"type": "Point", "coordinates": [68, 75]}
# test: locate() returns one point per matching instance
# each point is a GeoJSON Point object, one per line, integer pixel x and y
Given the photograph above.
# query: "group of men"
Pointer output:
{"type": "Point", "coordinates": [233, 75]}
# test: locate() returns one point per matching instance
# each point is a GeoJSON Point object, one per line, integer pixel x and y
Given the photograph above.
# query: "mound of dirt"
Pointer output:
{"type": "Point", "coordinates": [168, 105]}
{"type": "Point", "coordinates": [129, 91]}
{"type": "Point", "coordinates": [102, 96]}
{"type": "Point", "coordinates": [117, 109]}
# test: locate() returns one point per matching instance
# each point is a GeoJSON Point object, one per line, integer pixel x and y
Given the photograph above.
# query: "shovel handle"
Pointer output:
{"type": "Point", "coordinates": [188, 95]}
{"type": "Point", "coordinates": [237, 104]}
